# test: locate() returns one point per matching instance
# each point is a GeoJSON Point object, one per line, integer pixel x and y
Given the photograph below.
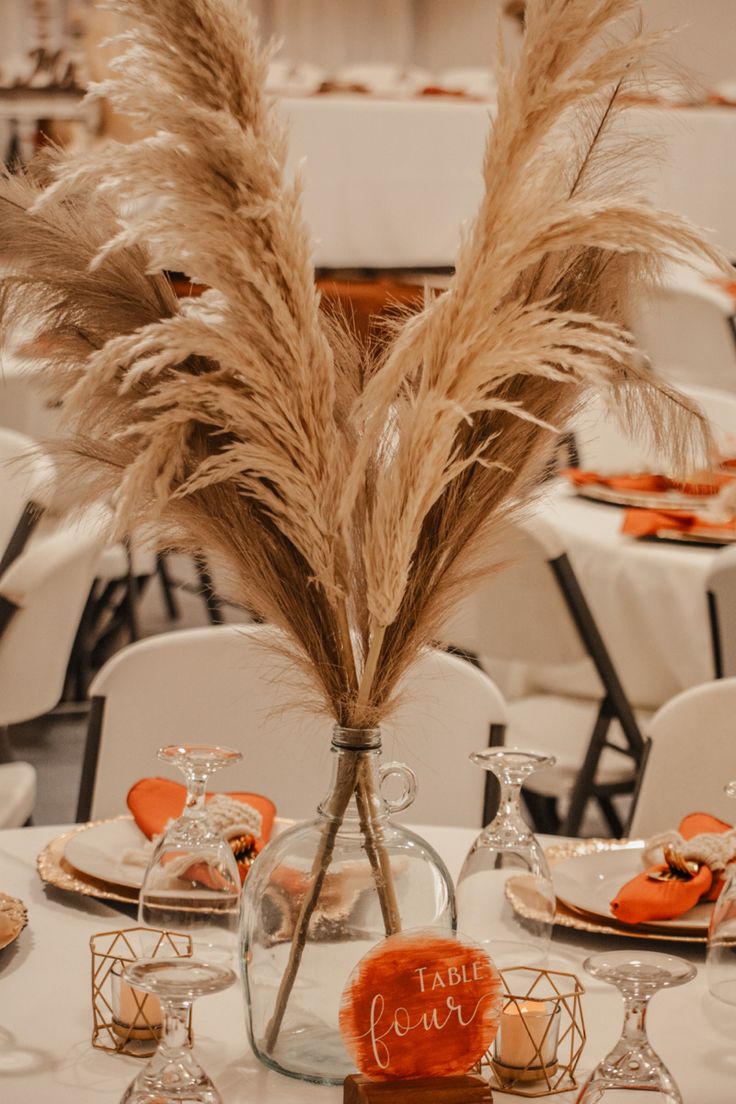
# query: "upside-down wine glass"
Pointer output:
{"type": "Point", "coordinates": [505, 897]}
{"type": "Point", "coordinates": [174, 1076]}
{"type": "Point", "coordinates": [632, 1065]}
{"type": "Point", "coordinates": [192, 882]}
{"type": "Point", "coordinates": [721, 960]}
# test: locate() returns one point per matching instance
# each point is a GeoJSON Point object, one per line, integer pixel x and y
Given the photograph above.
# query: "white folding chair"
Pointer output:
{"type": "Point", "coordinates": [225, 685]}
{"type": "Point", "coordinates": [691, 758]}
{"type": "Point", "coordinates": [42, 595]}
{"type": "Point", "coordinates": [534, 612]}
{"type": "Point", "coordinates": [26, 479]}
{"type": "Point", "coordinates": [601, 445]}
{"type": "Point", "coordinates": [686, 326]}
{"type": "Point", "coordinates": [721, 598]}
{"type": "Point", "coordinates": [17, 794]}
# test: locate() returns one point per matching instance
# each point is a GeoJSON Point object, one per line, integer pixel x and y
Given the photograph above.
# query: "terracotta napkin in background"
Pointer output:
{"type": "Point", "coordinates": [710, 484]}
{"type": "Point", "coordinates": [155, 801]}
{"type": "Point", "coordinates": [647, 523]}
{"type": "Point", "coordinates": [642, 900]}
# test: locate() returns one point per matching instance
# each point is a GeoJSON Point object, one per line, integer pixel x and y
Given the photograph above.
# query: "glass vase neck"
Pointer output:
{"type": "Point", "coordinates": [356, 754]}
{"type": "Point", "coordinates": [356, 739]}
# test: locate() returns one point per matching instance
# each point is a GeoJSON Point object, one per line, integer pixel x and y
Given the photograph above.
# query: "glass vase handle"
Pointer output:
{"type": "Point", "coordinates": [408, 781]}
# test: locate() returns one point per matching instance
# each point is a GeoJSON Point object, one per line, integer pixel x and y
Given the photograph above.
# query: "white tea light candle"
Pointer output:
{"type": "Point", "coordinates": [527, 1037]}
{"type": "Point", "coordinates": [137, 1015]}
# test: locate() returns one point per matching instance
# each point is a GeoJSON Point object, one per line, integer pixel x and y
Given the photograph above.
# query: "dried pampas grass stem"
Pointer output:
{"type": "Point", "coordinates": [353, 496]}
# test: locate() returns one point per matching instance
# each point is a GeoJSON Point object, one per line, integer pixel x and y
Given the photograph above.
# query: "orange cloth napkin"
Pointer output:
{"type": "Point", "coordinates": [155, 801]}
{"type": "Point", "coordinates": [649, 481]}
{"type": "Point", "coordinates": [646, 523]}
{"type": "Point", "coordinates": [642, 899]}
{"type": "Point", "coordinates": [723, 282]}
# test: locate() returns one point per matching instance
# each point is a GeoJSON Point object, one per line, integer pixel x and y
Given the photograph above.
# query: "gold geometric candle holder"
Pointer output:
{"type": "Point", "coordinates": [541, 1033]}
{"type": "Point", "coordinates": [125, 1019]}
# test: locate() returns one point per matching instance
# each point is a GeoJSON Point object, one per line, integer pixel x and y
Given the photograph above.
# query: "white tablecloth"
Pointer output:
{"type": "Point", "coordinates": [22, 404]}
{"type": "Point", "coordinates": [648, 598]}
{"type": "Point", "coordinates": [389, 183]}
{"type": "Point", "coordinates": [45, 1017]}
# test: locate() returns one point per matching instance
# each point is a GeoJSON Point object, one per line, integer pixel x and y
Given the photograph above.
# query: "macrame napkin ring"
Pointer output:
{"type": "Point", "coordinates": [712, 849]}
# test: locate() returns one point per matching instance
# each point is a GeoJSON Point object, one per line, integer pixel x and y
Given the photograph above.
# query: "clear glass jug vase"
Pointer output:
{"type": "Point", "coordinates": [319, 896]}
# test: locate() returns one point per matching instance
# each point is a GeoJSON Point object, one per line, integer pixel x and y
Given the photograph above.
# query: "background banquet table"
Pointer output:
{"type": "Point", "coordinates": [648, 598]}
{"type": "Point", "coordinates": [45, 1017]}
{"type": "Point", "coordinates": [388, 183]}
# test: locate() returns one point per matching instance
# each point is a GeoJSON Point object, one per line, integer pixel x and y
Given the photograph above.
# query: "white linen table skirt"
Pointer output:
{"type": "Point", "coordinates": [45, 1016]}
{"type": "Point", "coordinates": [648, 599]}
{"type": "Point", "coordinates": [389, 183]}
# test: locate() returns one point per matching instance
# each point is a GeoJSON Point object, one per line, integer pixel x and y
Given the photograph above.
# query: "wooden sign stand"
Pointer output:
{"type": "Point", "coordinates": [457, 1089]}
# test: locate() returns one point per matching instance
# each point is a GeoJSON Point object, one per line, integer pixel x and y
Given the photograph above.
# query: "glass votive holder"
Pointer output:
{"type": "Point", "coordinates": [125, 1019]}
{"type": "Point", "coordinates": [541, 1033]}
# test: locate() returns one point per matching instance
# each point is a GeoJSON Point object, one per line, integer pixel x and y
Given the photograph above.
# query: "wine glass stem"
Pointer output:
{"type": "Point", "coordinates": [635, 1011]}
{"type": "Point", "coordinates": [194, 805]}
{"type": "Point", "coordinates": [508, 805]}
{"type": "Point", "coordinates": [175, 1037]}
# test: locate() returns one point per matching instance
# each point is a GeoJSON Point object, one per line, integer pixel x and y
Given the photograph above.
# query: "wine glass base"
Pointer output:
{"type": "Point", "coordinates": [614, 1094]}
{"type": "Point", "coordinates": [144, 1090]}
{"type": "Point", "coordinates": [630, 1070]}
{"type": "Point", "coordinates": [724, 990]}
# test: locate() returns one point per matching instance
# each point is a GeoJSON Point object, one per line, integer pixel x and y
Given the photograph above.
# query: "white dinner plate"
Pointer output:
{"type": "Point", "coordinates": [590, 882]}
{"type": "Point", "coordinates": [98, 852]}
{"type": "Point", "coordinates": [648, 500]}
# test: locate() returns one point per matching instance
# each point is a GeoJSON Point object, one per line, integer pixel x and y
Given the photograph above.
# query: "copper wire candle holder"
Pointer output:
{"type": "Point", "coordinates": [541, 1033]}
{"type": "Point", "coordinates": [127, 1020]}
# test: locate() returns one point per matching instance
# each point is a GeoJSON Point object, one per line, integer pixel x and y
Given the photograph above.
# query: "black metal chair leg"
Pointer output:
{"type": "Point", "coordinates": [167, 588]}
{"type": "Point", "coordinates": [130, 599]}
{"type": "Point", "coordinates": [78, 673]}
{"type": "Point", "coordinates": [543, 811]}
{"type": "Point", "coordinates": [612, 818]}
{"type": "Point", "coordinates": [6, 751]}
{"type": "Point", "coordinates": [584, 787]}
{"type": "Point", "coordinates": [207, 592]}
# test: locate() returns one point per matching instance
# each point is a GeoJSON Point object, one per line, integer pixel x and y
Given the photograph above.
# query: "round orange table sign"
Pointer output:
{"type": "Point", "coordinates": [420, 1004]}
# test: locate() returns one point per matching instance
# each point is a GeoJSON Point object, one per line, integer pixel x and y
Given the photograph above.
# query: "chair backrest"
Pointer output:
{"type": "Point", "coordinates": [686, 328]}
{"type": "Point", "coordinates": [691, 758]}
{"type": "Point", "coordinates": [49, 584]}
{"type": "Point", "coordinates": [225, 685]}
{"type": "Point", "coordinates": [602, 446]}
{"type": "Point", "coordinates": [24, 478]}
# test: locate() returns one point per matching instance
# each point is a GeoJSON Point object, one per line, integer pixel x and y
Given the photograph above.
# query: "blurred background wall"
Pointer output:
{"type": "Point", "coordinates": [431, 34]}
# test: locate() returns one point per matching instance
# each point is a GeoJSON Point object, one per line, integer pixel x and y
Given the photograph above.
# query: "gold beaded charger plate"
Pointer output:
{"type": "Point", "coordinates": [568, 914]}
{"type": "Point", "coordinates": [13, 918]}
{"type": "Point", "coordinates": [714, 537]}
{"type": "Point", "coordinates": [54, 869]}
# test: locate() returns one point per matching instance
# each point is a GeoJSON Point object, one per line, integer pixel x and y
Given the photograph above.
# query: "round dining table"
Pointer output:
{"type": "Point", "coordinates": [389, 182]}
{"type": "Point", "coordinates": [46, 1055]}
{"type": "Point", "coordinates": [648, 598]}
